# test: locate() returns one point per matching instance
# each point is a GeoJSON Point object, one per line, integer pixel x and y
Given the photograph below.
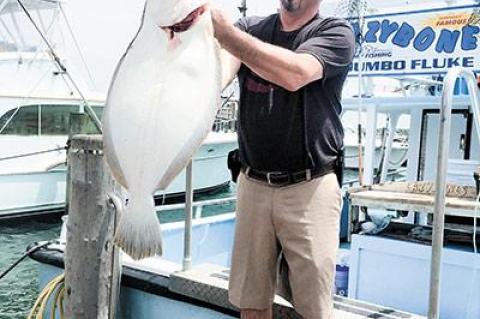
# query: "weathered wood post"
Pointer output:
{"type": "Point", "coordinates": [78, 123]}
{"type": "Point", "coordinates": [91, 260]}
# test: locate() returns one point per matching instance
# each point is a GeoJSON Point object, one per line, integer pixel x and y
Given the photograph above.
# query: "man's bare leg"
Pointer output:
{"type": "Point", "coordinates": [256, 314]}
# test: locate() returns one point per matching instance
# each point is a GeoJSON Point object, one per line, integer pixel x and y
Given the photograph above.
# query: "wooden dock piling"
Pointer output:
{"type": "Point", "coordinates": [78, 124]}
{"type": "Point", "coordinates": [91, 259]}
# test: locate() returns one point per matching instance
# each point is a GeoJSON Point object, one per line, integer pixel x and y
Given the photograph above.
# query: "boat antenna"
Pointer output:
{"type": "Point", "coordinates": [77, 45]}
{"type": "Point", "coordinates": [62, 68]}
{"type": "Point", "coordinates": [243, 8]}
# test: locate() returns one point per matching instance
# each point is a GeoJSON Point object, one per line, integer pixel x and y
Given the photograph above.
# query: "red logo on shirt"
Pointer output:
{"type": "Point", "coordinates": [257, 87]}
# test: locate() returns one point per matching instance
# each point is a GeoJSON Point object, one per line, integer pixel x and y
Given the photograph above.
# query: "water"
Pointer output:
{"type": "Point", "coordinates": [19, 289]}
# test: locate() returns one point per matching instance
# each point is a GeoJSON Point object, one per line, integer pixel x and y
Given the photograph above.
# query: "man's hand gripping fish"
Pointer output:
{"type": "Point", "coordinates": [161, 105]}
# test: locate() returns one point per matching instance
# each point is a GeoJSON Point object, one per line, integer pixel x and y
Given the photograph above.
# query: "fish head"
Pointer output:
{"type": "Point", "coordinates": [166, 13]}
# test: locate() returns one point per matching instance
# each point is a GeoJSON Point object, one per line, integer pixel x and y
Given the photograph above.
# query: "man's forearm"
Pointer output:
{"type": "Point", "coordinates": [283, 67]}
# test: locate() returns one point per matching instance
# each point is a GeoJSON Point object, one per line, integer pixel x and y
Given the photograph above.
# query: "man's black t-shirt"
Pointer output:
{"type": "Point", "coordinates": [289, 131]}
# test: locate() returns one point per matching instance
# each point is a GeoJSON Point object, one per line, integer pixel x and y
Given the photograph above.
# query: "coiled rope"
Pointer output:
{"type": "Point", "coordinates": [55, 288]}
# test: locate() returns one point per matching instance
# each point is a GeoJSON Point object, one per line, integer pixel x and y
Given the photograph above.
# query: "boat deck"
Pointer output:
{"type": "Point", "coordinates": [206, 285]}
{"type": "Point", "coordinates": [209, 283]}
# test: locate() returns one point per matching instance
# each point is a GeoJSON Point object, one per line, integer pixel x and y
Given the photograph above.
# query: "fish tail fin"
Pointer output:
{"type": "Point", "coordinates": [138, 231]}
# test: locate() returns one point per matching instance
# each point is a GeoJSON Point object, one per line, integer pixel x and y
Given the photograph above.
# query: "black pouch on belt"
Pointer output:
{"type": "Point", "coordinates": [234, 164]}
{"type": "Point", "coordinates": [340, 164]}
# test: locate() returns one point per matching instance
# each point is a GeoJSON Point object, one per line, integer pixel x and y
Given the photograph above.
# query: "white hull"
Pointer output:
{"type": "Point", "coordinates": [206, 282]}
{"type": "Point", "coordinates": [36, 191]}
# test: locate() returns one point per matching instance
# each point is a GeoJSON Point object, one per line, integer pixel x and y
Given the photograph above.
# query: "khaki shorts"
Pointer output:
{"type": "Point", "coordinates": [301, 220]}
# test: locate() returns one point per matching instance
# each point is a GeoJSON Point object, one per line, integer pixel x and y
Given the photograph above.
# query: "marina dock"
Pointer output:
{"type": "Point", "coordinates": [409, 226]}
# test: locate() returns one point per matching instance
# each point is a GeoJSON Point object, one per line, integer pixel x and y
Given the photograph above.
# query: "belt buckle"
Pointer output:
{"type": "Point", "coordinates": [269, 181]}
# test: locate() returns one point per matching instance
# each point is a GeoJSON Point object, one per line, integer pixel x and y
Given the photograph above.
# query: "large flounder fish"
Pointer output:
{"type": "Point", "coordinates": [161, 104]}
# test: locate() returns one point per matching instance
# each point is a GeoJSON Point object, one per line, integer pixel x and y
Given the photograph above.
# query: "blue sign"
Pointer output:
{"type": "Point", "coordinates": [418, 42]}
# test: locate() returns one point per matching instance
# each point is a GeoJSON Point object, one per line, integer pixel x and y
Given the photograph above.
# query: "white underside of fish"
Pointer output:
{"type": "Point", "coordinates": [161, 105]}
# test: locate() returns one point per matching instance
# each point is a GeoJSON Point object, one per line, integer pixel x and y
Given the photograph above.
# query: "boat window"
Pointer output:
{"type": "Point", "coordinates": [55, 119]}
{"type": "Point", "coordinates": [23, 122]}
{"type": "Point", "coordinates": [5, 117]}
{"type": "Point", "coordinates": [91, 128]}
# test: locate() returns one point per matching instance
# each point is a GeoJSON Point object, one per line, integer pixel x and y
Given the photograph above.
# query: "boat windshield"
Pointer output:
{"type": "Point", "coordinates": [43, 119]}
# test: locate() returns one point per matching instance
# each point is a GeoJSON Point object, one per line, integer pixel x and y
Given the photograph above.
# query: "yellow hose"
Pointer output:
{"type": "Point", "coordinates": [55, 303]}
{"type": "Point", "coordinates": [54, 288]}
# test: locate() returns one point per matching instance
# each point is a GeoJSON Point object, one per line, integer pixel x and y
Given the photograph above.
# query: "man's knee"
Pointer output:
{"type": "Point", "coordinates": [256, 314]}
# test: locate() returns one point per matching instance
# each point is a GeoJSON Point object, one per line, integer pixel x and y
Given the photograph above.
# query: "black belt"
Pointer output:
{"type": "Point", "coordinates": [281, 179]}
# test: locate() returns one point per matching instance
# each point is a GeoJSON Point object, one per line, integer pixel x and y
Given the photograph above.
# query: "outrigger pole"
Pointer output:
{"type": "Point", "coordinates": [63, 69]}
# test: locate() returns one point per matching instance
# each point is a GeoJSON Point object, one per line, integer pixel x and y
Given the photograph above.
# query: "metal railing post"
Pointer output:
{"type": "Point", "coordinates": [443, 150]}
{"type": "Point", "coordinates": [187, 256]}
{"type": "Point", "coordinates": [394, 118]}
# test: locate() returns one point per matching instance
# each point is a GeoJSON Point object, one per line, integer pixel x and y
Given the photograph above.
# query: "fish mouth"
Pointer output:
{"type": "Point", "coordinates": [186, 23]}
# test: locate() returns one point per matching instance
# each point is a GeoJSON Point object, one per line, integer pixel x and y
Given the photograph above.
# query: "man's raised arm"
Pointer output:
{"type": "Point", "coordinates": [283, 67]}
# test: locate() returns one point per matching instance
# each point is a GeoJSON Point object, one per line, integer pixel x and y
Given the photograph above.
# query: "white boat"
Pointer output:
{"type": "Point", "coordinates": [161, 288]}
{"type": "Point", "coordinates": [32, 161]}
{"type": "Point", "coordinates": [36, 100]}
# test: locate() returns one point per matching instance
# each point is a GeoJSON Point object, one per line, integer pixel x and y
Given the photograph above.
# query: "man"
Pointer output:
{"type": "Point", "coordinates": [291, 67]}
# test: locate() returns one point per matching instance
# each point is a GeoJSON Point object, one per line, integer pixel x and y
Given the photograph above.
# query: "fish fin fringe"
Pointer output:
{"type": "Point", "coordinates": [138, 233]}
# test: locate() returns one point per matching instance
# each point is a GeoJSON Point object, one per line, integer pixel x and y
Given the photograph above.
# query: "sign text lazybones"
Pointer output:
{"type": "Point", "coordinates": [419, 42]}
{"type": "Point", "coordinates": [405, 35]}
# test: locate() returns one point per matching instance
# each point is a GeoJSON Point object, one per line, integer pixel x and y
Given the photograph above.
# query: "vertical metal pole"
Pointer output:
{"type": "Point", "coordinates": [439, 210]}
{"type": "Point", "coordinates": [474, 92]}
{"type": "Point", "coordinates": [370, 145]}
{"type": "Point", "coordinates": [360, 117]}
{"type": "Point", "coordinates": [414, 138]}
{"type": "Point", "coordinates": [243, 8]}
{"type": "Point", "coordinates": [351, 218]}
{"type": "Point", "coordinates": [187, 256]}
{"type": "Point", "coordinates": [392, 127]}
{"type": "Point", "coordinates": [443, 150]}
{"type": "Point", "coordinates": [355, 10]}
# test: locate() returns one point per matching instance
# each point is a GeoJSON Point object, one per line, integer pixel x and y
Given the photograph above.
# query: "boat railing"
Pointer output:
{"type": "Point", "coordinates": [189, 206]}
{"type": "Point", "coordinates": [440, 195]}
{"type": "Point", "coordinates": [198, 207]}
{"type": "Point", "coordinates": [400, 171]}
{"type": "Point", "coordinates": [226, 119]}
{"type": "Point", "coordinates": [59, 164]}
